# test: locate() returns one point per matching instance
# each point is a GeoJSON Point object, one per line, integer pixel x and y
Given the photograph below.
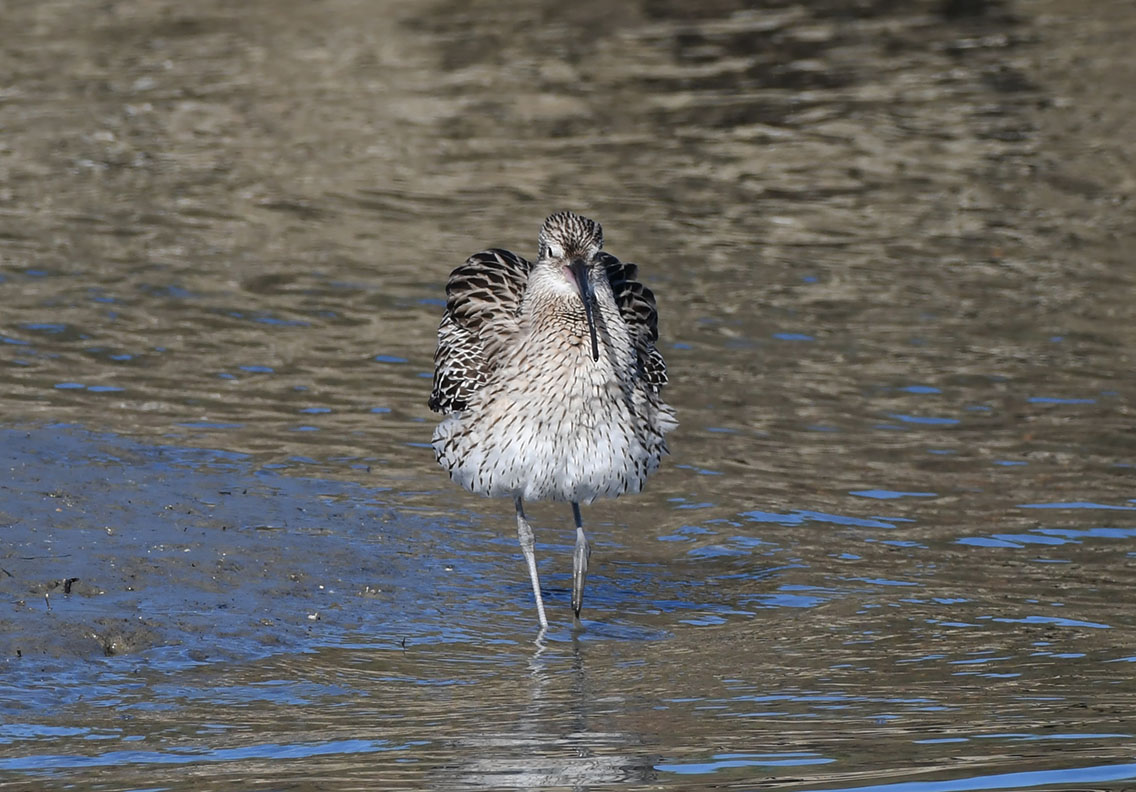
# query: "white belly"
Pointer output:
{"type": "Point", "coordinates": [569, 435]}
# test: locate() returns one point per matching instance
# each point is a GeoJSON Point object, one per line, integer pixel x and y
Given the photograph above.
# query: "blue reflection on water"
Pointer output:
{"type": "Point", "coordinates": [884, 494]}
{"type": "Point", "coordinates": [985, 541]}
{"type": "Point", "coordinates": [924, 419]}
{"type": "Point", "coordinates": [1049, 620]}
{"type": "Point", "coordinates": [10, 732]}
{"type": "Point", "coordinates": [1095, 533]}
{"type": "Point", "coordinates": [264, 751]}
{"type": "Point", "coordinates": [1049, 536]}
{"type": "Point", "coordinates": [799, 516]}
{"type": "Point", "coordinates": [785, 601]}
{"type": "Point", "coordinates": [1029, 778]}
{"type": "Point", "coordinates": [727, 760]}
{"type": "Point", "coordinates": [1054, 400]}
{"type": "Point", "coordinates": [793, 337]}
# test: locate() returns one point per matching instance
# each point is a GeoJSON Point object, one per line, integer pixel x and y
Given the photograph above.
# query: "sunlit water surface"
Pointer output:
{"type": "Point", "coordinates": [894, 548]}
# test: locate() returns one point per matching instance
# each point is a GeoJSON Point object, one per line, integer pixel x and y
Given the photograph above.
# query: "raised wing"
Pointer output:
{"type": "Point", "coordinates": [483, 298]}
{"type": "Point", "coordinates": [637, 307]}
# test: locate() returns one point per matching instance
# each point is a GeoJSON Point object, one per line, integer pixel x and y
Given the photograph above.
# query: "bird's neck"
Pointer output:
{"type": "Point", "coordinates": [554, 317]}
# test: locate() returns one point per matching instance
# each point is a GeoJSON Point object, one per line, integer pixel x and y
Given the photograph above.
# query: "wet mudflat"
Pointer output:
{"type": "Point", "coordinates": [894, 548]}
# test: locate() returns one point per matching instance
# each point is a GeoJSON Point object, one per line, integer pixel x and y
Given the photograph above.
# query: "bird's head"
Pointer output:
{"type": "Point", "coordinates": [567, 235]}
{"type": "Point", "coordinates": [570, 244]}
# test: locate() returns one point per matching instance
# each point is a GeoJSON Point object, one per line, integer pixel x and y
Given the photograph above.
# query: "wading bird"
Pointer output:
{"type": "Point", "coordinates": [549, 379]}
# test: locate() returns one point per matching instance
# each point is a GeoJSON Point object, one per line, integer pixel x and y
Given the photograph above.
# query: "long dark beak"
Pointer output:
{"type": "Point", "coordinates": [588, 294]}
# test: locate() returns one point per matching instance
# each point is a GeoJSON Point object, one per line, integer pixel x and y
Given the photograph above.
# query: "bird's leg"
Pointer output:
{"type": "Point", "coordinates": [525, 534]}
{"type": "Point", "coordinates": [579, 562]}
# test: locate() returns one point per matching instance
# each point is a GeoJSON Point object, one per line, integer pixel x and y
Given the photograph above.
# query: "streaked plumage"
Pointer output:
{"type": "Point", "coordinates": [532, 410]}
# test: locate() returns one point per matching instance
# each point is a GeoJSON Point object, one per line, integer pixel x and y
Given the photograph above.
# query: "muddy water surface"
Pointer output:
{"type": "Point", "coordinates": [894, 548]}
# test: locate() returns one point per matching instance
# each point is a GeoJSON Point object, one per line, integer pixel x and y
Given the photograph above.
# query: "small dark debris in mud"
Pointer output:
{"type": "Point", "coordinates": [65, 586]}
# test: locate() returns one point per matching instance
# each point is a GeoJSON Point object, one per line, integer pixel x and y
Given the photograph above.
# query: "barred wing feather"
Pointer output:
{"type": "Point", "coordinates": [483, 298]}
{"type": "Point", "coordinates": [637, 307]}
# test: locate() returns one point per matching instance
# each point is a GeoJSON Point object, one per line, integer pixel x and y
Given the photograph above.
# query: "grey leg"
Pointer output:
{"type": "Point", "coordinates": [579, 562]}
{"type": "Point", "coordinates": [525, 534]}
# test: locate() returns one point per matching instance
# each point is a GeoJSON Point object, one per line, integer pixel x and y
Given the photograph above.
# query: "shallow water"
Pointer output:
{"type": "Point", "coordinates": [895, 545]}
